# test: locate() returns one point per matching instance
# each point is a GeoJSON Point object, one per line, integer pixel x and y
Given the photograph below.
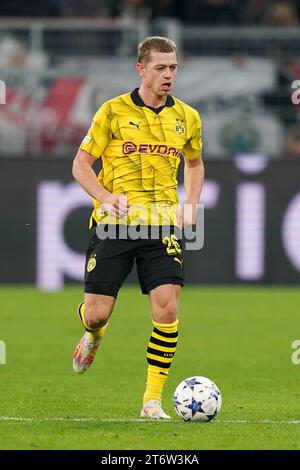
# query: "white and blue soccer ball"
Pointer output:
{"type": "Point", "coordinates": [197, 399]}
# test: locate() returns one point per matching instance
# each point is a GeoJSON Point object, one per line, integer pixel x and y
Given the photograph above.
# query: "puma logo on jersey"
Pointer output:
{"type": "Point", "coordinates": [136, 125]}
{"type": "Point", "coordinates": [178, 261]}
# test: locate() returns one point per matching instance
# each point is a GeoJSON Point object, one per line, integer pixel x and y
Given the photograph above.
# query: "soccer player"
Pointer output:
{"type": "Point", "coordinates": [140, 137]}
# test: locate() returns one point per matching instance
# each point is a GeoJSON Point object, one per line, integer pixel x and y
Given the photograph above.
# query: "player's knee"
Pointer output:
{"type": "Point", "coordinates": [167, 313]}
{"type": "Point", "coordinates": [96, 315]}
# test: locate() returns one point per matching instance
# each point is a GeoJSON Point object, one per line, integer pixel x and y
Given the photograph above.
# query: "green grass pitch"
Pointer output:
{"type": "Point", "coordinates": [239, 337]}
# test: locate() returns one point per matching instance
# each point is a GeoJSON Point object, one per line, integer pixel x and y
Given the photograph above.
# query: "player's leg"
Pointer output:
{"type": "Point", "coordinates": [161, 348]}
{"type": "Point", "coordinates": [97, 309]}
{"type": "Point", "coordinates": [160, 271]}
{"type": "Point", "coordinates": [108, 262]}
{"type": "Point", "coordinates": [94, 313]}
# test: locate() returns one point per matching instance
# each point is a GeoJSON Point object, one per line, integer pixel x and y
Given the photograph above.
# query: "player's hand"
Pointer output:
{"type": "Point", "coordinates": [115, 204]}
{"type": "Point", "coordinates": [187, 215]}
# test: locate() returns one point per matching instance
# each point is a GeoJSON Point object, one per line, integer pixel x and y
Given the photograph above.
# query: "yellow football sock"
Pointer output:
{"type": "Point", "coordinates": [160, 353]}
{"type": "Point", "coordinates": [94, 333]}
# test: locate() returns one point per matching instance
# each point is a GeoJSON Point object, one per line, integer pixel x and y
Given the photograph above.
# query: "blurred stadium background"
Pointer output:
{"type": "Point", "coordinates": [59, 60]}
{"type": "Point", "coordinates": [240, 67]}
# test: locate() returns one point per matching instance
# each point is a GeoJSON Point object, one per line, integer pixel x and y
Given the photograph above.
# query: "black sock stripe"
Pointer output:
{"type": "Point", "coordinates": [162, 343]}
{"type": "Point", "coordinates": [166, 335]}
{"type": "Point", "coordinates": [163, 365]}
{"type": "Point", "coordinates": [87, 329]}
{"type": "Point", "coordinates": [160, 353]}
{"type": "Point", "coordinates": [79, 310]}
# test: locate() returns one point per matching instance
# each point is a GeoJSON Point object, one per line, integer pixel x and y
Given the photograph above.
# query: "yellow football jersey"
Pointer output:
{"type": "Point", "coordinates": [140, 148]}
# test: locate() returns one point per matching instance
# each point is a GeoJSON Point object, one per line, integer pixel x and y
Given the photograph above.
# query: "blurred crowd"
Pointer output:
{"type": "Point", "coordinates": [205, 12]}
{"type": "Point", "coordinates": [276, 102]}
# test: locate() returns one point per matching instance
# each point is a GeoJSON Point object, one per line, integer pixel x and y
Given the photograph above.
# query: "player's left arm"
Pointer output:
{"type": "Point", "coordinates": [193, 184]}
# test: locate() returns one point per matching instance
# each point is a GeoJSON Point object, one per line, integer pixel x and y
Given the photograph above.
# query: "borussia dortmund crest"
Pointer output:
{"type": "Point", "coordinates": [179, 127]}
{"type": "Point", "coordinates": [91, 264]}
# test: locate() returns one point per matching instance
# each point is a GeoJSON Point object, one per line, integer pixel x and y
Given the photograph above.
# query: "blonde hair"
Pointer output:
{"type": "Point", "coordinates": [155, 43]}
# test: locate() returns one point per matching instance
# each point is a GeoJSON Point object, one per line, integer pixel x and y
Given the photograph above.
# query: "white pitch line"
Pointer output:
{"type": "Point", "coordinates": [141, 420]}
{"type": "Point", "coordinates": [98, 420]}
{"type": "Point", "coordinates": [261, 421]}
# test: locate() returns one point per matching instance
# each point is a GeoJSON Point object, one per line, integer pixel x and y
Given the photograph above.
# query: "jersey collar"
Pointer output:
{"type": "Point", "coordinates": [139, 102]}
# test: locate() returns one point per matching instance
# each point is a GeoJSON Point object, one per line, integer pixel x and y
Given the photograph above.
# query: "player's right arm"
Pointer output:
{"type": "Point", "coordinates": [84, 174]}
{"type": "Point", "coordinates": [93, 145]}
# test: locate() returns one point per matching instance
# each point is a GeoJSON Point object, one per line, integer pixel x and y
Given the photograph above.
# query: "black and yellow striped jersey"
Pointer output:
{"type": "Point", "coordinates": [140, 148]}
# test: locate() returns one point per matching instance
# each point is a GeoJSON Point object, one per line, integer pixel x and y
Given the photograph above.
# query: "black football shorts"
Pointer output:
{"type": "Point", "coordinates": [109, 260]}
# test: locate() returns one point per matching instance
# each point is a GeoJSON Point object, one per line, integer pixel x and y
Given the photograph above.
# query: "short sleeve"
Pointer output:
{"type": "Point", "coordinates": [193, 147]}
{"type": "Point", "coordinates": [99, 134]}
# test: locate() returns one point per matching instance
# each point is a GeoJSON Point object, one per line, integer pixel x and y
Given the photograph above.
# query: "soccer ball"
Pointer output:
{"type": "Point", "coordinates": [197, 399]}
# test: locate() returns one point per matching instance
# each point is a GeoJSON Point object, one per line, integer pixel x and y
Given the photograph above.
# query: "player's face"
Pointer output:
{"type": "Point", "coordinates": [159, 72]}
